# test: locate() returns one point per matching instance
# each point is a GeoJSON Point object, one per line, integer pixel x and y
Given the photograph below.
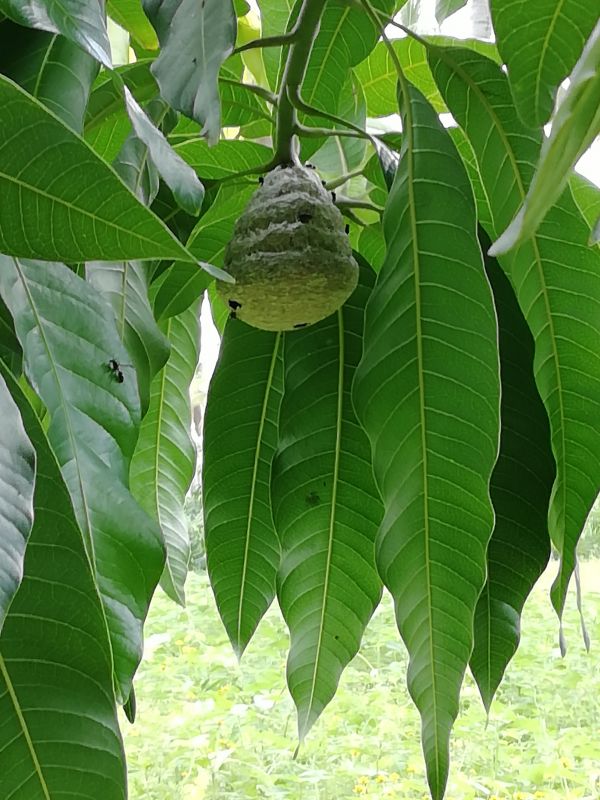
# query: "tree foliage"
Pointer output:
{"type": "Point", "coordinates": [436, 435]}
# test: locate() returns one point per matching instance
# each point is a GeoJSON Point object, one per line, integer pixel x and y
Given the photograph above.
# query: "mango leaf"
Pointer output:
{"type": "Point", "coordinates": [51, 68]}
{"type": "Point", "coordinates": [218, 310]}
{"type": "Point", "coordinates": [226, 158]}
{"type": "Point", "coordinates": [59, 721]}
{"type": "Point", "coordinates": [325, 506]}
{"type": "Point", "coordinates": [164, 461]}
{"type": "Point", "coordinates": [17, 478]}
{"type": "Point", "coordinates": [427, 393]}
{"type": "Point", "coordinates": [564, 323]}
{"type": "Point", "coordinates": [107, 124]}
{"type": "Point", "coordinates": [371, 245]}
{"type": "Point", "coordinates": [179, 177]}
{"type": "Point", "coordinates": [129, 14]}
{"type": "Point", "coordinates": [10, 349]}
{"type": "Point", "coordinates": [445, 8]}
{"type": "Point", "coordinates": [587, 198]}
{"type": "Point", "coordinates": [181, 286]}
{"type": "Point", "coordinates": [68, 335]}
{"type": "Point", "coordinates": [519, 549]}
{"type": "Point", "coordinates": [195, 40]}
{"type": "Point", "coordinates": [574, 128]}
{"type": "Point", "coordinates": [378, 75]}
{"type": "Point", "coordinates": [240, 436]}
{"type": "Point", "coordinates": [540, 44]}
{"type": "Point", "coordinates": [78, 20]}
{"type": "Point", "coordinates": [63, 202]}
{"type": "Point", "coordinates": [275, 16]}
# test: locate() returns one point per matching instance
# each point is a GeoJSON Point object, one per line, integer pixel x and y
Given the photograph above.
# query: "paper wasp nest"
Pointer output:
{"type": "Point", "coordinates": [289, 254]}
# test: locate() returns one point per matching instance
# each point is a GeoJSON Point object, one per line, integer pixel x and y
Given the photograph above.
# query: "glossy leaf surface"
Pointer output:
{"type": "Point", "coordinates": [59, 733]}
{"type": "Point", "coordinates": [130, 15]}
{"type": "Point", "coordinates": [564, 323]}
{"type": "Point", "coordinates": [226, 158]}
{"type": "Point", "coordinates": [325, 506]}
{"type": "Point", "coordinates": [427, 393]}
{"type": "Point", "coordinates": [17, 480]}
{"type": "Point", "coordinates": [240, 436]}
{"type": "Point", "coordinates": [68, 336]}
{"type": "Point", "coordinates": [63, 202]}
{"type": "Point", "coordinates": [165, 457]}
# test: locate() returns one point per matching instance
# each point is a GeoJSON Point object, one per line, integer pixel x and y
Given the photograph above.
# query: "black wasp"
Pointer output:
{"type": "Point", "coordinates": [115, 367]}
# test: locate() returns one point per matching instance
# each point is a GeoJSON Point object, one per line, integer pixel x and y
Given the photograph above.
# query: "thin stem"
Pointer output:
{"type": "Point", "coordinates": [305, 32]}
{"type": "Point", "coordinates": [300, 105]}
{"type": "Point", "coordinates": [343, 179]}
{"type": "Point", "coordinates": [317, 132]}
{"type": "Point", "coordinates": [264, 94]}
{"type": "Point", "coordinates": [267, 41]}
{"type": "Point", "coordinates": [349, 202]}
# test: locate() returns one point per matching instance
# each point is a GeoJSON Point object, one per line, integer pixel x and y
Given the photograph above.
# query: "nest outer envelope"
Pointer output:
{"type": "Point", "coordinates": [289, 254]}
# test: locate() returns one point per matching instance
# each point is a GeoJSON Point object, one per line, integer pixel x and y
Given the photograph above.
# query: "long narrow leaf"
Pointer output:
{"type": "Point", "coordinates": [59, 732]}
{"type": "Point", "coordinates": [563, 321]}
{"type": "Point", "coordinates": [520, 488]}
{"type": "Point", "coordinates": [165, 457]}
{"type": "Point", "coordinates": [68, 336]}
{"type": "Point", "coordinates": [427, 393]}
{"type": "Point", "coordinates": [240, 436]}
{"type": "Point", "coordinates": [326, 507]}
{"type": "Point", "coordinates": [17, 479]}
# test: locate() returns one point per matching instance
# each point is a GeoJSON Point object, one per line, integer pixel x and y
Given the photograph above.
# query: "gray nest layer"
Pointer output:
{"type": "Point", "coordinates": [290, 255]}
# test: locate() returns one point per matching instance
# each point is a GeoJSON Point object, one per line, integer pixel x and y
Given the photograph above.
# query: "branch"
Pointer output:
{"type": "Point", "coordinates": [334, 184]}
{"type": "Point", "coordinates": [348, 202]}
{"type": "Point", "coordinates": [304, 32]}
{"type": "Point", "coordinates": [318, 132]}
{"type": "Point", "coordinates": [267, 41]}
{"type": "Point", "coordinates": [264, 94]}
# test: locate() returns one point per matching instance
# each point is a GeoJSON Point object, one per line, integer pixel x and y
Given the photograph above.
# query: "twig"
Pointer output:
{"type": "Point", "coordinates": [268, 41]}
{"type": "Point", "coordinates": [264, 94]}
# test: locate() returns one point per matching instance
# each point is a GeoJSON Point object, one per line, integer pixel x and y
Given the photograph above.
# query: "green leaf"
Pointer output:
{"type": "Point", "coordinates": [371, 245]}
{"type": "Point", "coordinates": [325, 506]}
{"type": "Point", "coordinates": [540, 44]}
{"type": "Point", "coordinates": [129, 14]}
{"type": "Point", "coordinates": [445, 8]}
{"type": "Point", "coordinates": [274, 16]}
{"type": "Point", "coordinates": [181, 286]}
{"type": "Point", "coordinates": [59, 721]}
{"type": "Point", "coordinates": [587, 198]}
{"type": "Point", "coordinates": [164, 461]}
{"type": "Point", "coordinates": [226, 158]}
{"type": "Point", "coordinates": [78, 20]}
{"type": "Point", "coordinates": [63, 202]}
{"type": "Point", "coordinates": [107, 124]}
{"type": "Point", "coordinates": [574, 128]}
{"type": "Point", "coordinates": [240, 436]}
{"type": "Point", "coordinates": [53, 69]}
{"type": "Point", "coordinates": [125, 284]}
{"type": "Point", "coordinates": [68, 335]}
{"type": "Point", "coordinates": [563, 320]}
{"type": "Point", "coordinates": [10, 349]}
{"type": "Point", "coordinates": [378, 75]}
{"type": "Point", "coordinates": [195, 41]}
{"type": "Point", "coordinates": [179, 177]}
{"type": "Point", "coordinates": [427, 393]}
{"type": "Point", "coordinates": [17, 478]}
{"type": "Point", "coordinates": [519, 549]}
{"type": "Point", "coordinates": [218, 310]}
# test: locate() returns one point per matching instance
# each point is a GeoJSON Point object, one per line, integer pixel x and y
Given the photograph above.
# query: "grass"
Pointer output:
{"type": "Point", "coordinates": [209, 728]}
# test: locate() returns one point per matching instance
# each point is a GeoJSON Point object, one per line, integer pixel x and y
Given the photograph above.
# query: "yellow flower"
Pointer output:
{"type": "Point", "coordinates": [380, 777]}
{"type": "Point", "coordinates": [410, 769]}
{"type": "Point", "coordinates": [363, 779]}
{"type": "Point", "coordinates": [539, 794]}
{"type": "Point", "coordinates": [355, 753]}
{"type": "Point", "coordinates": [565, 762]}
{"type": "Point", "coordinates": [359, 788]}
{"type": "Point", "coordinates": [394, 777]}
{"type": "Point", "coordinates": [520, 796]}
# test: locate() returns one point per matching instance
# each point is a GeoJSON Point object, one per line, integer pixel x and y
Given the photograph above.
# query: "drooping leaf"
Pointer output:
{"type": "Point", "coordinates": [10, 349]}
{"type": "Point", "coordinates": [62, 202]}
{"type": "Point", "coordinates": [181, 286]}
{"type": "Point", "coordinates": [179, 176]}
{"type": "Point", "coordinates": [564, 322]}
{"type": "Point", "coordinates": [520, 489]}
{"type": "Point", "coordinates": [226, 158]}
{"type": "Point", "coordinates": [59, 730]}
{"type": "Point", "coordinates": [540, 42]}
{"type": "Point", "coordinates": [107, 124]}
{"type": "Point", "coordinates": [129, 14]}
{"type": "Point", "coordinates": [163, 464]}
{"type": "Point", "coordinates": [17, 479]}
{"type": "Point", "coordinates": [325, 506]}
{"type": "Point", "coordinates": [195, 40]}
{"type": "Point", "coordinates": [240, 436]}
{"type": "Point", "coordinates": [218, 310]}
{"type": "Point", "coordinates": [68, 335]}
{"type": "Point", "coordinates": [445, 8]}
{"type": "Point", "coordinates": [51, 68]}
{"type": "Point", "coordinates": [427, 393]}
{"type": "Point", "coordinates": [80, 21]}
{"type": "Point", "coordinates": [574, 128]}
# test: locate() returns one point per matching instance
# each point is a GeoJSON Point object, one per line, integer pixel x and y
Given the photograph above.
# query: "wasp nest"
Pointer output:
{"type": "Point", "coordinates": [290, 254]}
